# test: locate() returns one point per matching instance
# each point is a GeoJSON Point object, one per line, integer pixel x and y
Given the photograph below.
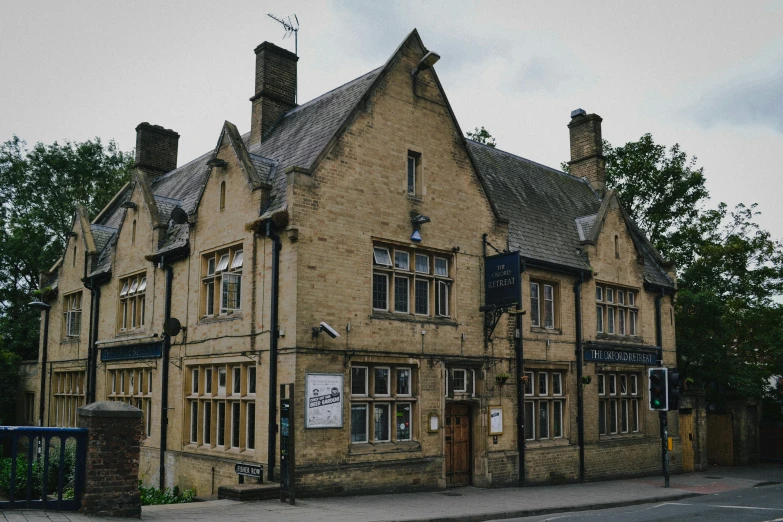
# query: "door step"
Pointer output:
{"type": "Point", "coordinates": [249, 492]}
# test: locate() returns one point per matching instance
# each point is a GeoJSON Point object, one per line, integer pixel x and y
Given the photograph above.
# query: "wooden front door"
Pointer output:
{"type": "Point", "coordinates": [720, 440]}
{"type": "Point", "coordinates": [457, 433]}
{"type": "Point", "coordinates": [686, 439]}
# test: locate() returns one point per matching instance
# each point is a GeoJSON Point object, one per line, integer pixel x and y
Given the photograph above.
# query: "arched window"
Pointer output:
{"type": "Point", "coordinates": [222, 195]}
{"type": "Point", "coordinates": [617, 247]}
{"type": "Point", "coordinates": [133, 232]}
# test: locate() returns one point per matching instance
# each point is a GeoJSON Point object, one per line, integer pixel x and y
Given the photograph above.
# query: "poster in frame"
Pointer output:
{"type": "Point", "coordinates": [324, 400]}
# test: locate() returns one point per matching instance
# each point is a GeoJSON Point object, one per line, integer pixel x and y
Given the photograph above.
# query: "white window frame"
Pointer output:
{"type": "Point", "coordinates": [250, 442]}
{"type": "Point", "coordinates": [535, 295]}
{"type": "Point", "coordinates": [547, 316]}
{"type": "Point", "coordinates": [446, 261]}
{"type": "Point", "coordinates": [194, 422]}
{"type": "Point", "coordinates": [386, 277]}
{"type": "Point", "coordinates": [559, 377]}
{"type": "Point", "coordinates": [410, 420]}
{"type": "Point", "coordinates": [388, 421]}
{"type": "Point", "coordinates": [366, 406]}
{"type": "Point", "coordinates": [222, 389]}
{"type": "Point", "coordinates": [545, 381]}
{"type": "Point", "coordinates": [441, 301]}
{"type": "Point", "coordinates": [236, 384]}
{"type": "Point", "coordinates": [416, 263]}
{"type": "Point", "coordinates": [252, 375]}
{"type": "Point", "coordinates": [407, 256]}
{"type": "Point", "coordinates": [415, 294]}
{"type": "Point", "coordinates": [235, 406]}
{"type": "Point", "coordinates": [388, 381]}
{"type": "Point", "coordinates": [194, 381]}
{"type": "Point", "coordinates": [382, 257]}
{"type": "Point", "coordinates": [366, 381]}
{"type": "Point", "coordinates": [410, 382]}
{"type": "Point", "coordinates": [407, 286]}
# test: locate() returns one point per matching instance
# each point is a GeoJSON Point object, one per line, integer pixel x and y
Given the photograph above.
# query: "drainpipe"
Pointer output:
{"type": "Point", "coordinates": [273, 333]}
{"type": "Point", "coordinates": [580, 406]}
{"type": "Point", "coordinates": [92, 364]}
{"type": "Point", "coordinates": [520, 363]}
{"type": "Point", "coordinates": [164, 388]}
{"type": "Point", "coordinates": [658, 330]}
{"type": "Point", "coordinates": [41, 306]}
{"type": "Point", "coordinates": [88, 284]}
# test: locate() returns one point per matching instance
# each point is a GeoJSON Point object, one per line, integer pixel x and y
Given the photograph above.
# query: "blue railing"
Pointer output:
{"type": "Point", "coordinates": [42, 468]}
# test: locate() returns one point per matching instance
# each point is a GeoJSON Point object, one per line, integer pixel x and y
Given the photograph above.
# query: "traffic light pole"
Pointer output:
{"type": "Point", "coordinates": [663, 416]}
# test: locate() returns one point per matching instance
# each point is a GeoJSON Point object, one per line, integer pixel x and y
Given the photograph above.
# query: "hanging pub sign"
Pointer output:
{"type": "Point", "coordinates": [324, 400]}
{"type": "Point", "coordinates": [502, 282]}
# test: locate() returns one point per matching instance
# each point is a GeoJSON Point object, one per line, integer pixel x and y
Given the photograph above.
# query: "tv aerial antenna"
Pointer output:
{"type": "Point", "coordinates": [291, 25]}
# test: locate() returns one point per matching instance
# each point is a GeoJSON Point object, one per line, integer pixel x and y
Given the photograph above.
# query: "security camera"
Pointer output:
{"type": "Point", "coordinates": [331, 332]}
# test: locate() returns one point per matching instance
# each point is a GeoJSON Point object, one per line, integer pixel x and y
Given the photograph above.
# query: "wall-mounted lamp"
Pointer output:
{"type": "Point", "coordinates": [425, 63]}
{"type": "Point", "coordinates": [417, 220]}
{"type": "Point", "coordinates": [71, 233]}
{"type": "Point", "coordinates": [129, 204]}
{"type": "Point", "coordinates": [217, 162]}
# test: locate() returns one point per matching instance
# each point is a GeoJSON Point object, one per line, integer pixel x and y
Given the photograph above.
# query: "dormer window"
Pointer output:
{"type": "Point", "coordinates": [133, 302]}
{"type": "Point", "coordinates": [222, 272]}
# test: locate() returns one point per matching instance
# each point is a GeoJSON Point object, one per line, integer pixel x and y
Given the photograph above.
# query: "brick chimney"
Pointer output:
{"type": "Point", "coordinates": [275, 88]}
{"type": "Point", "coordinates": [587, 151]}
{"type": "Point", "coordinates": [156, 149]}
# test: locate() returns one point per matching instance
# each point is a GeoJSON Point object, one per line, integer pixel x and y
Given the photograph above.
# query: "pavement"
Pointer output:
{"type": "Point", "coordinates": [453, 505]}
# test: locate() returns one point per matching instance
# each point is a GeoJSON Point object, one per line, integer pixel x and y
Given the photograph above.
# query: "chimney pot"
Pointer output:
{"type": "Point", "coordinates": [156, 149]}
{"type": "Point", "coordinates": [587, 156]}
{"type": "Point", "coordinates": [275, 88]}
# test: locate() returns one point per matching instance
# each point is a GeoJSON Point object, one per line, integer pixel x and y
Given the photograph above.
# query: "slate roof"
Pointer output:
{"type": "Point", "coordinates": [550, 212]}
{"type": "Point", "coordinates": [540, 203]}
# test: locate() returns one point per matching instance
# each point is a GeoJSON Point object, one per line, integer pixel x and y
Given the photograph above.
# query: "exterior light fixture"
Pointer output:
{"type": "Point", "coordinates": [129, 204]}
{"type": "Point", "coordinates": [70, 233]}
{"type": "Point", "coordinates": [417, 220]}
{"type": "Point", "coordinates": [425, 63]}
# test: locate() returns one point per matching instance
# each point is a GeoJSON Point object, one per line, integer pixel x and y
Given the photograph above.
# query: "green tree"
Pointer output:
{"type": "Point", "coordinates": [39, 189]}
{"type": "Point", "coordinates": [481, 135]}
{"type": "Point", "coordinates": [729, 327]}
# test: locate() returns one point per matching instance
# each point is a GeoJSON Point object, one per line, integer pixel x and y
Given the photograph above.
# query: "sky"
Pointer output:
{"type": "Point", "coordinates": [705, 74]}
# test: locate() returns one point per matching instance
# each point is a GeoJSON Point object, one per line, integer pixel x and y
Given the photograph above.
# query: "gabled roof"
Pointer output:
{"type": "Point", "coordinates": [540, 203]}
{"type": "Point", "coordinates": [552, 214]}
{"type": "Point", "coordinates": [246, 162]}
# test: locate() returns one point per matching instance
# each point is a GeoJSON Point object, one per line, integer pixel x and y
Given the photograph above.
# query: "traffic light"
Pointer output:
{"type": "Point", "coordinates": [674, 389]}
{"type": "Point", "coordinates": [658, 386]}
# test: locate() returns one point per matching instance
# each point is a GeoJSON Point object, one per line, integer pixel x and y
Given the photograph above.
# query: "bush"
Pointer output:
{"type": "Point", "coordinates": [153, 496]}
{"type": "Point", "coordinates": [20, 492]}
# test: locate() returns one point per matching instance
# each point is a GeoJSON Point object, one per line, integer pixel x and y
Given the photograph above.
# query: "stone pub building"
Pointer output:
{"type": "Point", "coordinates": [340, 246]}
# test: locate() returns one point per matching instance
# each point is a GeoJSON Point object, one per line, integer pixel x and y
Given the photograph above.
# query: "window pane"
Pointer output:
{"type": "Point", "coordinates": [379, 291]}
{"type": "Point", "coordinates": [231, 285]}
{"type": "Point", "coordinates": [613, 416]}
{"type": "Point", "coordinates": [599, 319]}
{"type": "Point", "coordinates": [401, 289]}
{"type": "Point", "coordinates": [221, 424]}
{"type": "Point", "coordinates": [620, 297]}
{"type": "Point", "coordinates": [557, 384]}
{"type": "Point", "coordinates": [358, 423]}
{"type": "Point", "coordinates": [251, 379]}
{"type": "Point", "coordinates": [223, 264]}
{"type": "Point", "coordinates": [194, 382]}
{"type": "Point", "coordinates": [403, 421]}
{"type": "Point", "coordinates": [208, 381]}
{"type": "Point", "coordinates": [142, 285]}
{"type": "Point", "coordinates": [602, 418]}
{"type": "Point", "coordinates": [358, 381]}
{"type": "Point", "coordinates": [530, 426]}
{"type": "Point", "coordinates": [382, 422]}
{"type": "Point", "coordinates": [557, 419]}
{"type": "Point", "coordinates": [612, 385]}
{"type": "Point", "coordinates": [543, 419]}
{"type": "Point", "coordinates": [442, 299]}
{"type": "Point", "coordinates": [251, 425]}
{"type": "Point", "coordinates": [623, 384]}
{"type": "Point", "coordinates": [382, 256]}
{"type": "Point", "coordinates": [403, 381]}
{"type": "Point", "coordinates": [422, 297]}
{"type": "Point", "coordinates": [549, 307]}
{"type": "Point", "coordinates": [441, 267]}
{"type": "Point", "coordinates": [237, 380]}
{"type": "Point", "coordinates": [635, 415]}
{"type": "Point", "coordinates": [237, 262]}
{"type": "Point", "coordinates": [621, 321]}
{"type": "Point", "coordinates": [599, 293]}
{"type": "Point", "coordinates": [381, 381]}
{"type": "Point", "coordinates": [210, 297]}
{"type": "Point", "coordinates": [422, 263]}
{"type": "Point", "coordinates": [401, 260]}
{"type": "Point", "coordinates": [542, 383]}
{"type": "Point", "coordinates": [459, 380]}
{"type": "Point", "coordinates": [610, 319]}
{"type": "Point", "coordinates": [631, 298]}
{"type": "Point", "coordinates": [134, 286]}
{"type": "Point", "coordinates": [634, 385]}
{"type": "Point", "coordinates": [235, 424]}
{"type": "Point", "coordinates": [534, 307]}
{"type": "Point", "coordinates": [211, 266]}
{"type": "Point", "coordinates": [529, 383]}
{"type": "Point", "coordinates": [609, 295]}
{"type": "Point", "coordinates": [207, 436]}
{"type": "Point", "coordinates": [194, 421]}
{"type": "Point", "coordinates": [411, 175]}
{"type": "Point", "coordinates": [624, 416]}
{"type": "Point", "coordinates": [632, 322]}
{"type": "Point", "coordinates": [222, 381]}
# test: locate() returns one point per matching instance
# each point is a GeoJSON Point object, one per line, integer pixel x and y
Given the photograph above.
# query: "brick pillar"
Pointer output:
{"type": "Point", "coordinates": [112, 473]}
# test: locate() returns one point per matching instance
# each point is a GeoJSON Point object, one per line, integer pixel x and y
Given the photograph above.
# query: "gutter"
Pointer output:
{"type": "Point", "coordinates": [273, 338]}
{"type": "Point", "coordinates": [580, 403]}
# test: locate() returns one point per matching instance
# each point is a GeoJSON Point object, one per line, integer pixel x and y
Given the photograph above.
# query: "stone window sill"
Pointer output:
{"type": "Point", "coordinates": [373, 448]}
{"type": "Point", "coordinates": [421, 319]}
{"type": "Point", "coordinates": [220, 318]}
{"type": "Point", "coordinates": [620, 437]}
{"type": "Point", "coordinates": [549, 443]}
{"type": "Point", "coordinates": [550, 331]}
{"type": "Point", "coordinates": [620, 338]}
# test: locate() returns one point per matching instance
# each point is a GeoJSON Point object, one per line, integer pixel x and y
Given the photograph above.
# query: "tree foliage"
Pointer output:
{"type": "Point", "coordinates": [729, 325]}
{"type": "Point", "coordinates": [39, 189]}
{"type": "Point", "coordinates": [481, 135]}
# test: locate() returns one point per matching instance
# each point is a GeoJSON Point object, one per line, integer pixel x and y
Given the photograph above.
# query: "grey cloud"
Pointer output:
{"type": "Point", "coordinates": [750, 100]}
{"type": "Point", "coordinates": [539, 74]}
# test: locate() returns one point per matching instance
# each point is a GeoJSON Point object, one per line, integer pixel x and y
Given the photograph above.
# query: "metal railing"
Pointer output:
{"type": "Point", "coordinates": [42, 468]}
